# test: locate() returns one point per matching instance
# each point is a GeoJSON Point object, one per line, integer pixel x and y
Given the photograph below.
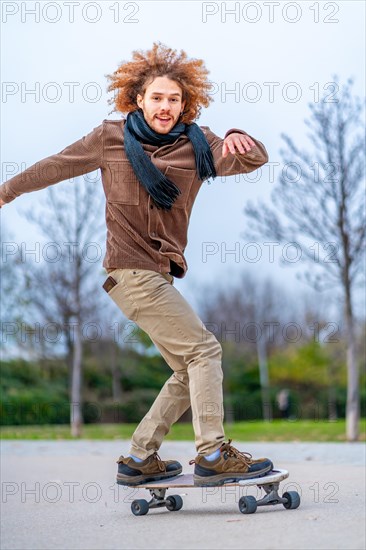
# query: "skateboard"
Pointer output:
{"type": "Point", "coordinates": [247, 504]}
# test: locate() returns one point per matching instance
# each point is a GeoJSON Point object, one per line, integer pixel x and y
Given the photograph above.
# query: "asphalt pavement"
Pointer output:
{"type": "Point", "coordinates": [62, 494]}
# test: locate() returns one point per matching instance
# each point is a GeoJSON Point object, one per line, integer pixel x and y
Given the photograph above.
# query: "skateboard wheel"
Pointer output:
{"type": "Point", "coordinates": [248, 505]}
{"type": "Point", "coordinates": [174, 503]}
{"type": "Point", "coordinates": [293, 500]}
{"type": "Point", "coordinates": [140, 507]}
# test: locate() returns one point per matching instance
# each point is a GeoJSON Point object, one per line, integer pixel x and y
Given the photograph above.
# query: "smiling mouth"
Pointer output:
{"type": "Point", "coordinates": [163, 120]}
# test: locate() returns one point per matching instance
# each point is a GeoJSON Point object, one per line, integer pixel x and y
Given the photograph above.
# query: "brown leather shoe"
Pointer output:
{"type": "Point", "coordinates": [231, 466]}
{"type": "Point", "coordinates": [152, 468]}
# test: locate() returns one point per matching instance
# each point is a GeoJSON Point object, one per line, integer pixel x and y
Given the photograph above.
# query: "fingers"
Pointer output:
{"type": "Point", "coordinates": [237, 143]}
{"type": "Point", "coordinates": [231, 146]}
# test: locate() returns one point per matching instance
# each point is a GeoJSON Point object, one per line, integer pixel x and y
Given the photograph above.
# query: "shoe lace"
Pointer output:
{"type": "Point", "coordinates": [229, 450]}
{"type": "Point", "coordinates": [240, 455]}
{"type": "Point", "coordinates": [161, 463]}
{"type": "Point", "coordinates": [154, 456]}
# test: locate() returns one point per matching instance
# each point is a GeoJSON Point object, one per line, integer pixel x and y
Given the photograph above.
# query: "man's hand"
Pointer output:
{"type": "Point", "coordinates": [2, 203]}
{"type": "Point", "coordinates": [237, 143]}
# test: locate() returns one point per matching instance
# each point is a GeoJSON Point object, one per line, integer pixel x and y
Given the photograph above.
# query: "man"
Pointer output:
{"type": "Point", "coordinates": [153, 165]}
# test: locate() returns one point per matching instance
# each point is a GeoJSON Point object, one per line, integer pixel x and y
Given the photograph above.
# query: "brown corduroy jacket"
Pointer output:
{"type": "Point", "coordinates": [139, 235]}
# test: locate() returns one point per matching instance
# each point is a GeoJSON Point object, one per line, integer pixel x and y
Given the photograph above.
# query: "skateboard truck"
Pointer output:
{"type": "Point", "coordinates": [271, 496]}
{"type": "Point", "coordinates": [140, 507]}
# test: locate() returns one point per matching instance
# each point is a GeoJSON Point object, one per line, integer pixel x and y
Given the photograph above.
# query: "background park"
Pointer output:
{"type": "Point", "coordinates": [298, 358]}
{"type": "Point", "coordinates": [276, 271]}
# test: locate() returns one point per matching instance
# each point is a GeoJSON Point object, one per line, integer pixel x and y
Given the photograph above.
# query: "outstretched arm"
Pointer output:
{"type": "Point", "coordinates": [81, 157]}
{"type": "Point", "coordinates": [237, 153]}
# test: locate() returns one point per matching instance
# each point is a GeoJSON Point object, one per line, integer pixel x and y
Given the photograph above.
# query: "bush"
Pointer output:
{"type": "Point", "coordinates": [31, 394]}
{"type": "Point", "coordinates": [33, 406]}
{"type": "Point", "coordinates": [132, 408]}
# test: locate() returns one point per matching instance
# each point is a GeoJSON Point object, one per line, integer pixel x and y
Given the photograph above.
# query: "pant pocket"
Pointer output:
{"type": "Point", "coordinates": [122, 297]}
{"type": "Point", "coordinates": [169, 278]}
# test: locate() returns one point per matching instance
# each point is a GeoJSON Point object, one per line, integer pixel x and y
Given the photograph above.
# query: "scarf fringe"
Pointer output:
{"type": "Point", "coordinates": [162, 190]}
{"type": "Point", "coordinates": [164, 193]}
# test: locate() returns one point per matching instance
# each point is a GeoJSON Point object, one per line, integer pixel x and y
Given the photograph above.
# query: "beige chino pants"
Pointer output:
{"type": "Point", "coordinates": [193, 353]}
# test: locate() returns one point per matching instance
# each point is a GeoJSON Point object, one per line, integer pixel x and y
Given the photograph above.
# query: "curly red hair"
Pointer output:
{"type": "Point", "coordinates": [133, 77]}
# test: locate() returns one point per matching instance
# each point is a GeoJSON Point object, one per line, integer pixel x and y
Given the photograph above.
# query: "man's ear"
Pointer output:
{"type": "Point", "coordinates": [139, 100]}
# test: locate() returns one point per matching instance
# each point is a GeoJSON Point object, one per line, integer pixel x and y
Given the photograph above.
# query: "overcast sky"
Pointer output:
{"type": "Point", "coordinates": [275, 57]}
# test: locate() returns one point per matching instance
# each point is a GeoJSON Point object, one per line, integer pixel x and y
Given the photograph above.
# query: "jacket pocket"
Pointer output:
{"type": "Point", "coordinates": [122, 187]}
{"type": "Point", "coordinates": [184, 179]}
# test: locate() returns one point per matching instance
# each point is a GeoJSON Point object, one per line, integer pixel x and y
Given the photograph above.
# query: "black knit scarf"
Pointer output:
{"type": "Point", "coordinates": [160, 188]}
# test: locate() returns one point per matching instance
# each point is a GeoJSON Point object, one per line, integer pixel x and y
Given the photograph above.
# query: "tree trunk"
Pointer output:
{"type": "Point", "coordinates": [353, 392]}
{"type": "Point", "coordinates": [332, 404]}
{"type": "Point", "coordinates": [353, 398]}
{"type": "Point", "coordinates": [76, 418]}
{"type": "Point", "coordinates": [116, 379]}
{"type": "Point", "coordinates": [229, 412]}
{"type": "Point", "coordinates": [264, 379]}
{"type": "Point", "coordinates": [332, 394]}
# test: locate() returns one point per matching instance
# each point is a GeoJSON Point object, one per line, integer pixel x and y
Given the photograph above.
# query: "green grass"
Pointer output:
{"type": "Point", "coordinates": [277, 430]}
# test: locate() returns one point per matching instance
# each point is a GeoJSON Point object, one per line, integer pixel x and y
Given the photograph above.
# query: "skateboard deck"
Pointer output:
{"type": "Point", "coordinates": [247, 504]}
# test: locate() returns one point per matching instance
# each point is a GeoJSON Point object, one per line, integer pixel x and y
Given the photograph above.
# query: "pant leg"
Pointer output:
{"type": "Point", "coordinates": [171, 403]}
{"type": "Point", "coordinates": [147, 298]}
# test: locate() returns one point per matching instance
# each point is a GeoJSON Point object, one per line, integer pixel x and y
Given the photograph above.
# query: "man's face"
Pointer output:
{"type": "Point", "coordinates": [161, 104]}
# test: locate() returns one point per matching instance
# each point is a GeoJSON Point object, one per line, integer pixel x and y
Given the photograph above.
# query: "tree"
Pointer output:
{"type": "Point", "coordinates": [64, 285]}
{"type": "Point", "coordinates": [13, 304]}
{"type": "Point", "coordinates": [320, 197]}
{"type": "Point", "coordinates": [8, 279]}
{"type": "Point", "coordinates": [250, 312]}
